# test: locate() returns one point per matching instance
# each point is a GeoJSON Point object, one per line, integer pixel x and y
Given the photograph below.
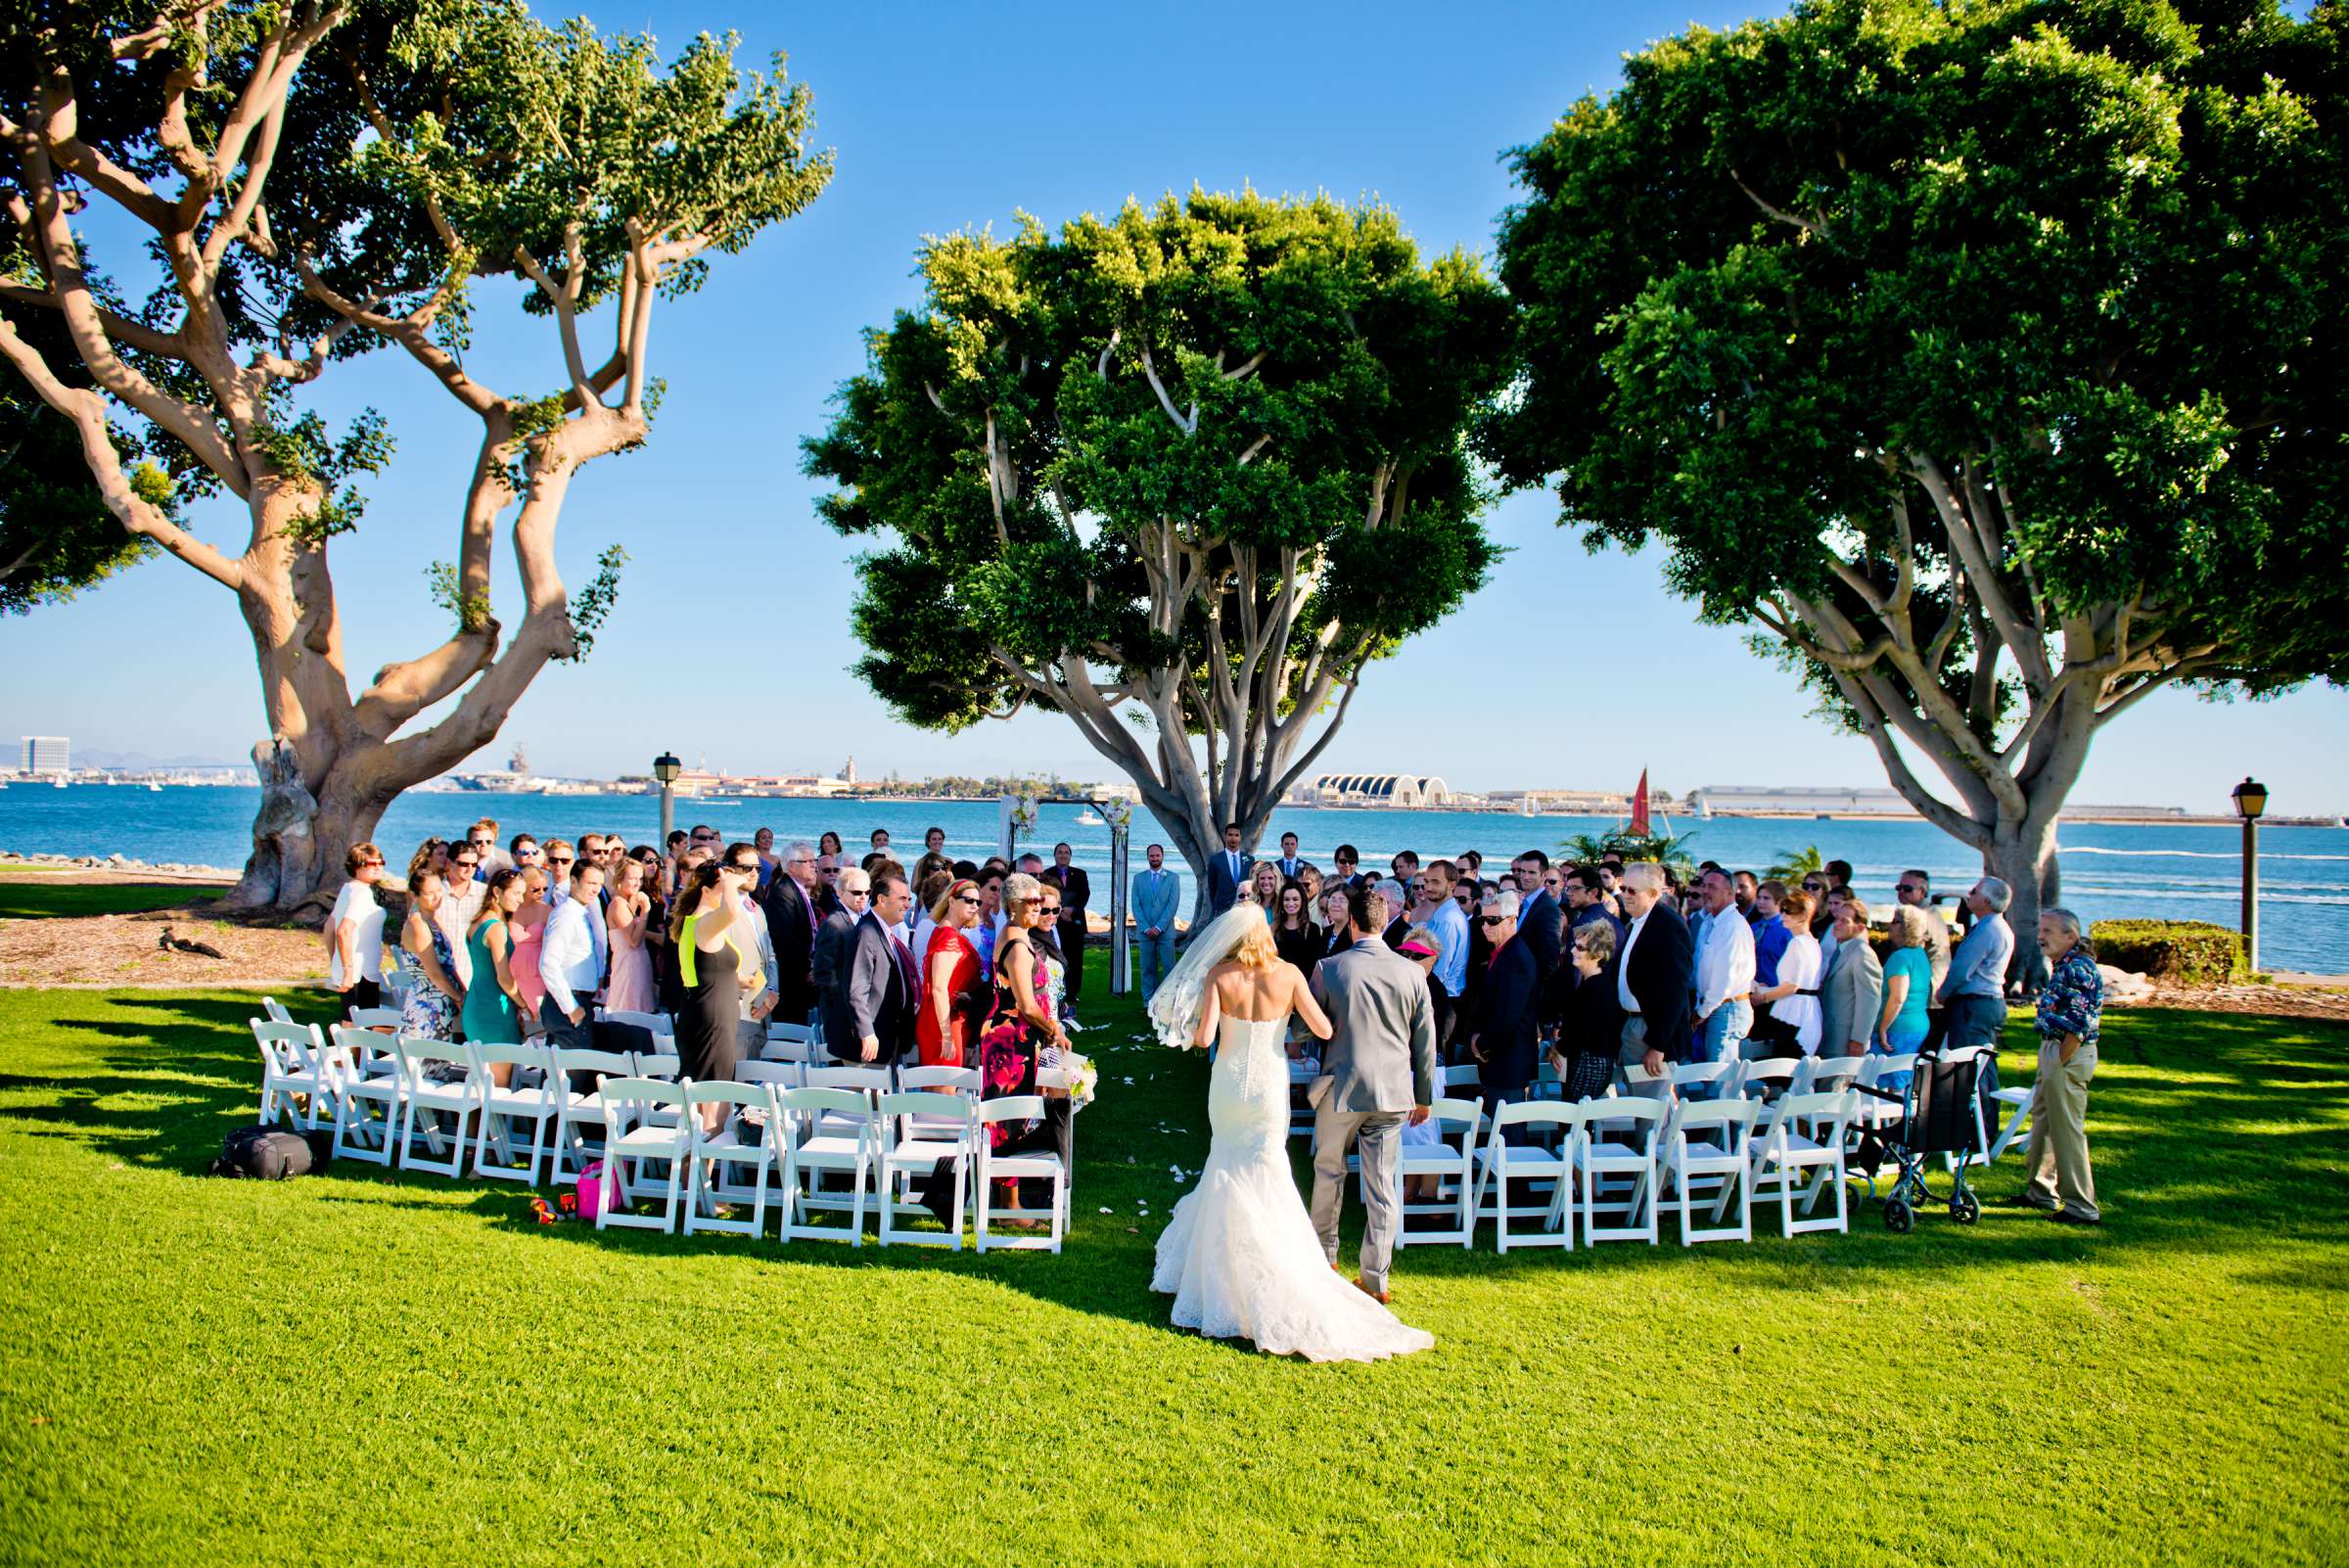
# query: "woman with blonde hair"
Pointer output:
{"type": "Point", "coordinates": [1241, 1255]}
{"type": "Point", "coordinates": [1908, 990]}
{"type": "Point", "coordinates": [1264, 889]}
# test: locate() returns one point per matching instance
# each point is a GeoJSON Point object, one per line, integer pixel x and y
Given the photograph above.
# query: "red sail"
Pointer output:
{"type": "Point", "coordinates": [1639, 806]}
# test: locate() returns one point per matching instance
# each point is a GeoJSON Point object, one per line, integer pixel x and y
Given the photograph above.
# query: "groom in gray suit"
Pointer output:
{"type": "Point", "coordinates": [1380, 1073]}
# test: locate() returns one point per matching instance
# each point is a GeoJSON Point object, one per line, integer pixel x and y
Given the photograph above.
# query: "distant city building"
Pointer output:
{"type": "Point", "coordinates": [47, 754]}
{"type": "Point", "coordinates": [1772, 800]}
{"type": "Point", "coordinates": [1404, 791]}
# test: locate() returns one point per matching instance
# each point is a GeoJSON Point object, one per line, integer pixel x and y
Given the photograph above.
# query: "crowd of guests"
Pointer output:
{"type": "Point", "coordinates": [954, 963]}
{"type": "Point", "coordinates": [1593, 967]}
{"type": "Point", "coordinates": [1600, 967]}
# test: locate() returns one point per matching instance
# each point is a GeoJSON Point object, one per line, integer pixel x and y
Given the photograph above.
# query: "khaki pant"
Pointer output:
{"type": "Point", "coordinates": [2056, 1160]}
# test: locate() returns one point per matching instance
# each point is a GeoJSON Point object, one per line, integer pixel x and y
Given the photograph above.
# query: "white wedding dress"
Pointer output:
{"type": "Point", "coordinates": [1240, 1256]}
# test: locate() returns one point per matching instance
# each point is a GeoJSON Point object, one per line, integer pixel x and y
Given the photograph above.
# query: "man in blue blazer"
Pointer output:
{"type": "Point", "coordinates": [1157, 896]}
{"type": "Point", "coordinates": [1227, 871]}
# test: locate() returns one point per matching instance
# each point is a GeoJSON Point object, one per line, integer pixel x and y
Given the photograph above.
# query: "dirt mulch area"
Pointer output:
{"type": "Point", "coordinates": [2264, 1001]}
{"type": "Point", "coordinates": [124, 950]}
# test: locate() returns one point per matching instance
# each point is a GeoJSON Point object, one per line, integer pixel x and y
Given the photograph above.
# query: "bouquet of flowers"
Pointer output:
{"type": "Point", "coordinates": [1081, 1076]}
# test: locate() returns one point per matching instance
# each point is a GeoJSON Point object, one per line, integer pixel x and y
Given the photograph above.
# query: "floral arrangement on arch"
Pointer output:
{"type": "Point", "coordinates": [1118, 811]}
{"type": "Point", "coordinates": [1024, 809]}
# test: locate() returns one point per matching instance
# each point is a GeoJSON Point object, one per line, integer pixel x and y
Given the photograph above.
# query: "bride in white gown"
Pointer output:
{"type": "Point", "coordinates": [1240, 1256]}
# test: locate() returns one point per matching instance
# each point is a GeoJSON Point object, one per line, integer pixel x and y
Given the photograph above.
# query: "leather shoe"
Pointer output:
{"type": "Point", "coordinates": [1379, 1296]}
{"type": "Point", "coordinates": [2024, 1200]}
{"type": "Point", "coordinates": [2065, 1217]}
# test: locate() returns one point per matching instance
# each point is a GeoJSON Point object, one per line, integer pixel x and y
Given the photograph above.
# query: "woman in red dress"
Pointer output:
{"type": "Point", "coordinates": [956, 989]}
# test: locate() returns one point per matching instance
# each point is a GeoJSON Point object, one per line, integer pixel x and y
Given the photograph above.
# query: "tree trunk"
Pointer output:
{"type": "Point", "coordinates": [2024, 859]}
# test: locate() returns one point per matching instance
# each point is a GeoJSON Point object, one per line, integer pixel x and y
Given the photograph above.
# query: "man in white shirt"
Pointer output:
{"type": "Point", "coordinates": [466, 891]}
{"type": "Point", "coordinates": [572, 962]}
{"type": "Point", "coordinates": [1725, 973]}
{"type": "Point", "coordinates": [1441, 915]}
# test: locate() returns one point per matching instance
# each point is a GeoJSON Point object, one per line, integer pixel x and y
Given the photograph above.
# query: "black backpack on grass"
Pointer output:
{"type": "Point", "coordinates": [273, 1153]}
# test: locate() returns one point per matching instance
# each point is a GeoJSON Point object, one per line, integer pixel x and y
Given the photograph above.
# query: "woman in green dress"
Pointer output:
{"type": "Point", "coordinates": [494, 1012]}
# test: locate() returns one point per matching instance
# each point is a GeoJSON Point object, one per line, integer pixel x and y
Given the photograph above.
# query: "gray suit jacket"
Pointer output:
{"type": "Point", "coordinates": [1381, 1056]}
{"type": "Point", "coordinates": [1851, 998]}
{"type": "Point", "coordinates": [879, 1003]}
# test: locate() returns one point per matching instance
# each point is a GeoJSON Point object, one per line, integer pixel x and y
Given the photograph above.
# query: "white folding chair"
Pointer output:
{"type": "Point", "coordinates": [378, 1018]}
{"type": "Point", "coordinates": [295, 1066]}
{"type": "Point", "coordinates": [802, 1052]}
{"type": "Point", "coordinates": [577, 1108]}
{"type": "Point", "coordinates": [505, 1109]}
{"type": "Point", "coordinates": [1452, 1161]}
{"type": "Point", "coordinates": [428, 1099]}
{"type": "Point", "coordinates": [275, 1010]}
{"type": "Point", "coordinates": [370, 1105]}
{"type": "Point", "coordinates": [1769, 1079]}
{"type": "Point", "coordinates": [1692, 1081]}
{"type": "Point", "coordinates": [1039, 1164]}
{"type": "Point", "coordinates": [919, 1128]}
{"type": "Point", "coordinates": [961, 1079]}
{"type": "Point", "coordinates": [632, 1134]}
{"type": "Point", "coordinates": [1874, 1068]}
{"type": "Point", "coordinates": [1616, 1147]}
{"type": "Point", "coordinates": [1706, 1145]}
{"type": "Point", "coordinates": [655, 1064]}
{"type": "Point", "coordinates": [1803, 1133]}
{"type": "Point", "coordinates": [873, 1080]}
{"type": "Point", "coordinates": [1502, 1162]}
{"type": "Point", "coordinates": [826, 1129]}
{"type": "Point", "coordinates": [779, 1033]}
{"type": "Point", "coordinates": [651, 1023]}
{"type": "Point", "coordinates": [777, 1075]}
{"type": "Point", "coordinates": [1828, 1075]}
{"type": "Point", "coordinates": [712, 1153]}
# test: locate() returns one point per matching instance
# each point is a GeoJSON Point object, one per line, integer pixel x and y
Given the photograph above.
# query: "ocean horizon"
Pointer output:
{"type": "Point", "coordinates": [2110, 870]}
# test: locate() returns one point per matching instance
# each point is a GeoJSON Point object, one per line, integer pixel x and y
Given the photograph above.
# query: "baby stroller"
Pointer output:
{"type": "Point", "coordinates": [1937, 1117]}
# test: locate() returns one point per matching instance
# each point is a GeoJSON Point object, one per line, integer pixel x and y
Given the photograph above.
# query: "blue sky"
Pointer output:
{"type": "Point", "coordinates": [952, 116]}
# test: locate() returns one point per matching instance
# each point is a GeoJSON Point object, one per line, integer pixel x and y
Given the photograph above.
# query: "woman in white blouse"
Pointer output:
{"type": "Point", "coordinates": [1794, 999]}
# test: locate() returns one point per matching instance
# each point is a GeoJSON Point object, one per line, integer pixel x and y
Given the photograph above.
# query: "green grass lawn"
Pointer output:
{"type": "Point", "coordinates": [361, 1369]}
{"type": "Point", "coordinates": [22, 899]}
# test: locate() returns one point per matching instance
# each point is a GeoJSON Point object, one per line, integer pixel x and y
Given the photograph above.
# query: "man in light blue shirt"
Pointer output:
{"type": "Point", "coordinates": [1157, 894]}
{"type": "Point", "coordinates": [1975, 992]}
{"type": "Point", "coordinates": [1442, 915]}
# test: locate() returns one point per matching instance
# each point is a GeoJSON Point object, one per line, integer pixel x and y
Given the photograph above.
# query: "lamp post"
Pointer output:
{"type": "Point", "coordinates": [2250, 801]}
{"type": "Point", "coordinates": [666, 769]}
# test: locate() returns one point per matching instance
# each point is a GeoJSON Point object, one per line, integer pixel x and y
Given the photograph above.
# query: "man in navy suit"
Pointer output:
{"type": "Point", "coordinates": [1346, 859]}
{"type": "Point", "coordinates": [1540, 920]}
{"type": "Point", "coordinates": [1227, 871]}
{"type": "Point", "coordinates": [1290, 862]}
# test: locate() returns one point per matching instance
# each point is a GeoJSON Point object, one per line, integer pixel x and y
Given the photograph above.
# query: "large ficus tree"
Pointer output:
{"type": "Point", "coordinates": [312, 181]}
{"type": "Point", "coordinates": [1179, 474]}
{"type": "Point", "coordinates": [1986, 356]}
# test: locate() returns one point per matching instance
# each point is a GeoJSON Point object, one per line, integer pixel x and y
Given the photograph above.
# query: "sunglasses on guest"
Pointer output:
{"type": "Point", "coordinates": [1491, 920]}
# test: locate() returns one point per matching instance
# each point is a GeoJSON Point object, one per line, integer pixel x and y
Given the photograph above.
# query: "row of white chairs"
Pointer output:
{"type": "Point", "coordinates": [419, 1104]}
{"type": "Point", "coordinates": [1610, 1165]}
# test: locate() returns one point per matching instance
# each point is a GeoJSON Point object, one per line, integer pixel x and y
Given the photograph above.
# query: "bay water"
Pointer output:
{"type": "Point", "coordinates": [2110, 870]}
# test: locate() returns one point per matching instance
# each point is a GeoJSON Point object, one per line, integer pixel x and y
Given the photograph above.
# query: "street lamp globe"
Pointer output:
{"type": "Point", "coordinates": [2250, 798]}
{"type": "Point", "coordinates": [666, 767]}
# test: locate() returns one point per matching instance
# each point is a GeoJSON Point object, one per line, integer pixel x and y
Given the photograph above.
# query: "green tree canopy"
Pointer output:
{"type": "Point", "coordinates": [312, 180]}
{"type": "Point", "coordinates": [1179, 474]}
{"type": "Point", "coordinates": [1987, 356]}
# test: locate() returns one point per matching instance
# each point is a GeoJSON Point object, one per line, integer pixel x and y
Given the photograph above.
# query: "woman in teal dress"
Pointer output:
{"type": "Point", "coordinates": [493, 1005]}
{"type": "Point", "coordinates": [1908, 984]}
